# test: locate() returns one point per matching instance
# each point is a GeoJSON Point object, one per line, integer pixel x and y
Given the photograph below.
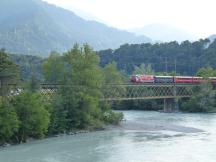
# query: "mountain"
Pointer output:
{"type": "Point", "coordinates": [164, 33]}
{"type": "Point", "coordinates": [212, 37]}
{"type": "Point", "coordinates": [36, 27]}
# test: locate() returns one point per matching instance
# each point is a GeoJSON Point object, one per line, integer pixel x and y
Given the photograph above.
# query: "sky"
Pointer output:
{"type": "Point", "coordinates": [194, 16]}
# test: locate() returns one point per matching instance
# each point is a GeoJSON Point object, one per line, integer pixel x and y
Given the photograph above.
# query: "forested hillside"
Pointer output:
{"type": "Point", "coordinates": [28, 66]}
{"type": "Point", "coordinates": [187, 56]}
{"type": "Point", "coordinates": [36, 27]}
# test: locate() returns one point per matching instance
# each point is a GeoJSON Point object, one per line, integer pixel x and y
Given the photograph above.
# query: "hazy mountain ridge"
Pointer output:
{"type": "Point", "coordinates": [212, 37]}
{"type": "Point", "coordinates": [33, 26]}
{"type": "Point", "coordinates": [164, 33]}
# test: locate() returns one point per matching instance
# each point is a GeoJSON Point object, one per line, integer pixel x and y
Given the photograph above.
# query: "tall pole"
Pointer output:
{"type": "Point", "coordinates": [175, 67]}
{"type": "Point", "coordinates": [166, 66]}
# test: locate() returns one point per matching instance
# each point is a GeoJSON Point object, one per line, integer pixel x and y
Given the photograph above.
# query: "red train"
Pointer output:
{"type": "Point", "coordinates": [169, 79]}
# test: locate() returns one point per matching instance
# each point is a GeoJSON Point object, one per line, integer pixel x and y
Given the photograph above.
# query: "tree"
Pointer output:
{"type": "Point", "coordinates": [32, 114]}
{"type": "Point", "coordinates": [112, 79]}
{"type": "Point", "coordinates": [144, 69]}
{"type": "Point", "coordinates": [8, 73]}
{"type": "Point", "coordinates": [9, 122]}
{"type": "Point", "coordinates": [81, 90]}
{"type": "Point", "coordinates": [112, 75]}
{"type": "Point", "coordinates": [53, 68]}
{"type": "Point", "coordinates": [202, 101]}
{"type": "Point", "coordinates": [34, 84]}
{"type": "Point", "coordinates": [206, 72]}
{"type": "Point", "coordinates": [78, 100]}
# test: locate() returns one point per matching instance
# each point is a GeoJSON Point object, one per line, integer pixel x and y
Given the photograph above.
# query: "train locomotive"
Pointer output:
{"type": "Point", "coordinates": [169, 79]}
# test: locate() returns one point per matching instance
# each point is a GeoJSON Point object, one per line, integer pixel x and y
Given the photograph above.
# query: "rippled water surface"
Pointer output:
{"type": "Point", "coordinates": [127, 145]}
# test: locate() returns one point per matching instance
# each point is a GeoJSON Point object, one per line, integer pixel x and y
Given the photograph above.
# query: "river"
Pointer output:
{"type": "Point", "coordinates": [159, 137]}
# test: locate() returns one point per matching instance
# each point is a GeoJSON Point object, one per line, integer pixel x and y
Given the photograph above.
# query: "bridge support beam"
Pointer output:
{"type": "Point", "coordinates": [171, 105]}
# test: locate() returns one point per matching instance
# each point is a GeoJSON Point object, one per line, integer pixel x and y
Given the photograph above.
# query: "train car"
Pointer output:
{"type": "Point", "coordinates": [169, 79]}
{"type": "Point", "coordinates": [142, 78]}
{"type": "Point", "coordinates": [147, 78]}
{"type": "Point", "coordinates": [164, 79]}
{"type": "Point", "coordinates": [183, 79]}
{"type": "Point", "coordinates": [213, 79]}
{"type": "Point", "coordinates": [198, 80]}
{"type": "Point", "coordinates": [135, 78]}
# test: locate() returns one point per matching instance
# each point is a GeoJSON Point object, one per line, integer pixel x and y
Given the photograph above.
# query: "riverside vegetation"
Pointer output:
{"type": "Point", "coordinates": [75, 106]}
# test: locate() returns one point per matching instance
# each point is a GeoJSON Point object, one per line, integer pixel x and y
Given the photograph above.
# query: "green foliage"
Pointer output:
{"type": "Point", "coordinates": [207, 72]}
{"type": "Point", "coordinates": [34, 84]}
{"type": "Point", "coordinates": [203, 101]}
{"type": "Point", "coordinates": [111, 77]}
{"type": "Point", "coordinates": [9, 123]}
{"type": "Point", "coordinates": [9, 73]}
{"type": "Point", "coordinates": [7, 69]}
{"type": "Point", "coordinates": [78, 98]}
{"type": "Point", "coordinates": [28, 65]}
{"type": "Point", "coordinates": [32, 114]}
{"type": "Point", "coordinates": [144, 69]}
{"type": "Point", "coordinates": [111, 117]}
{"type": "Point", "coordinates": [189, 56]}
{"type": "Point", "coordinates": [76, 105]}
{"type": "Point", "coordinates": [58, 116]}
{"type": "Point", "coordinates": [53, 68]}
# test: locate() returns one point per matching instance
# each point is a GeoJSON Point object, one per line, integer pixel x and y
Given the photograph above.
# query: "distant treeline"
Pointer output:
{"type": "Point", "coordinates": [186, 58]}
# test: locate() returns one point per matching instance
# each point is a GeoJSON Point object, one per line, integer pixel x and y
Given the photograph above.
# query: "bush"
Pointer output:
{"type": "Point", "coordinates": [9, 123]}
{"type": "Point", "coordinates": [33, 116]}
{"type": "Point", "coordinates": [202, 101]}
{"type": "Point", "coordinates": [111, 117]}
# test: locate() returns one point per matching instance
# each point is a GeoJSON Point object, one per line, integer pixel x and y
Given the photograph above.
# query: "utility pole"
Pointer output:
{"type": "Point", "coordinates": [175, 67]}
{"type": "Point", "coordinates": [166, 64]}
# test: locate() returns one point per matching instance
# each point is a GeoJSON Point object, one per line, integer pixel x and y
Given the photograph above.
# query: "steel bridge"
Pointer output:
{"type": "Point", "coordinates": [118, 92]}
{"type": "Point", "coordinates": [147, 91]}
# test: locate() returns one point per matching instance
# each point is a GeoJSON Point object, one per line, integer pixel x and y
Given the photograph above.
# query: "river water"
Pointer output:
{"type": "Point", "coordinates": [128, 145]}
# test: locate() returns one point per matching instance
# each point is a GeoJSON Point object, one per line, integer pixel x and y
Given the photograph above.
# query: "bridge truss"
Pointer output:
{"type": "Point", "coordinates": [114, 92]}
{"type": "Point", "coordinates": [147, 91]}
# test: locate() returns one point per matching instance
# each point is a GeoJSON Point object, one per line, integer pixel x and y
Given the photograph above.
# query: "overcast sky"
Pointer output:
{"type": "Point", "coordinates": [195, 16]}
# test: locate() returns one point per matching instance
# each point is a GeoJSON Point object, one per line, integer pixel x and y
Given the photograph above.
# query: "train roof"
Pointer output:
{"type": "Point", "coordinates": [183, 76]}
{"type": "Point", "coordinates": [164, 76]}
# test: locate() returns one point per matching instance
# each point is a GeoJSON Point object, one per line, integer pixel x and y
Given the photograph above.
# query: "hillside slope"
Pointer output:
{"type": "Point", "coordinates": [36, 27]}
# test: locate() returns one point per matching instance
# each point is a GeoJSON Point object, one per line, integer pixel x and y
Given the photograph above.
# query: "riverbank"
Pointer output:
{"type": "Point", "coordinates": [70, 133]}
{"type": "Point", "coordinates": [127, 125]}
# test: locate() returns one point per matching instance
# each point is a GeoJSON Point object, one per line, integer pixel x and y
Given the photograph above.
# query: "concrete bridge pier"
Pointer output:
{"type": "Point", "coordinates": [171, 105]}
